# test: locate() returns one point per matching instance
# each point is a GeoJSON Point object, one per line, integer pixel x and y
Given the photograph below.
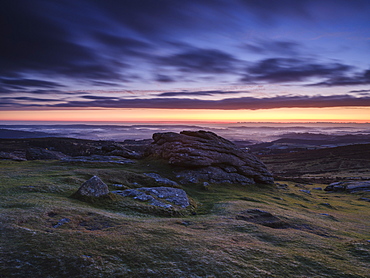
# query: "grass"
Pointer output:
{"type": "Point", "coordinates": [328, 236]}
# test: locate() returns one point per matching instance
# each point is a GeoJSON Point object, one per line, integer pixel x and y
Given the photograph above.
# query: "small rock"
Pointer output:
{"type": "Point", "coordinates": [317, 188]}
{"type": "Point", "coordinates": [329, 216]}
{"type": "Point", "coordinates": [281, 185]}
{"type": "Point", "coordinates": [305, 191]}
{"type": "Point", "coordinates": [326, 205]}
{"type": "Point", "coordinates": [263, 218]}
{"type": "Point", "coordinates": [364, 199]}
{"type": "Point", "coordinates": [186, 223]}
{"type": "Point", "coordinates": [61, 222]}
{"type": "Point", "coordinates": [118, 185]}
{"type": "Point", "coordinates": [278, 198]}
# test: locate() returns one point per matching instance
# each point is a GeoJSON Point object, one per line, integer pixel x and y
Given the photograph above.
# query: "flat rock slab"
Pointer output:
{"type": "Point", "coordinates": [157, 196]}
{"type": "Point", "coordinates": [349, 186]}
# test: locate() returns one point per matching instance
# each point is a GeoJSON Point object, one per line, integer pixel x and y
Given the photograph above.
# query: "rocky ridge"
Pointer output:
{"type": "Point", "coordinates": [199, 156]}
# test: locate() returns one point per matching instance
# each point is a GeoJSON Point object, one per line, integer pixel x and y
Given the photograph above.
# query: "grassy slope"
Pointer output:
{"type": "Point", "coordinates": [346, 161]}
{"type": "Point", "coordinates": [104, 241]}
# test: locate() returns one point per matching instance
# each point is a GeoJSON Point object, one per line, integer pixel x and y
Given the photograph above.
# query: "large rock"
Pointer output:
{"type": "Point", "coordinates": [94, 187]}
{"type": "Point", "coordinates": [208, 157]}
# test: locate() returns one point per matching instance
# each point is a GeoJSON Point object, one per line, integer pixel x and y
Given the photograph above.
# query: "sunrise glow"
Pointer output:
{"type": "Point", "coordinates": [348, 114]}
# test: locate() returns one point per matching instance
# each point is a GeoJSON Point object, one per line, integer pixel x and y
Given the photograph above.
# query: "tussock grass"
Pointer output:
{"type": "Point", "coordinates": [328, 235]}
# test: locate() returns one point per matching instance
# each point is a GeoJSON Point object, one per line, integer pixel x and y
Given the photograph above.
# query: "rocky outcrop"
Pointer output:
{"type": "Point", "coordinates": [11, 156]}
{"type": "Point", "coordinates": [94, 187]}
{"type": "Point", "coordinates": [59, 148]}
{"type": "Point", "coordinates": [43, 154]}
{"type": "Point", "coordinates": [158, 196]}
{"type": "Point", "coordinates": [116, 149]}
{"type": "Point", "coordinates": [204, 156]}
{"type": "Point", "coordinates": [349, 186]}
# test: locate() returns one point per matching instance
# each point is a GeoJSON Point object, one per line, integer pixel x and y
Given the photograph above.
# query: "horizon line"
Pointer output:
{"type": "Point", "coordinates": [199, 122]}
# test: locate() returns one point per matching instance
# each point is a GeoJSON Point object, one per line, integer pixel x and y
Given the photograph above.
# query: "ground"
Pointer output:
{"type": "Point", "coordinates": [45, 233]}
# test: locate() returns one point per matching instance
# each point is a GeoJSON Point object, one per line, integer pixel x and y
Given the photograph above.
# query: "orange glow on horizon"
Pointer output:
{"type": "Point", "coordinates": [341, 114]}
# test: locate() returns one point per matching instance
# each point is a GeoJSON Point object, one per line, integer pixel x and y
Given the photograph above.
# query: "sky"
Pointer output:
{"type": "Point", "coordinates": [193, 60]}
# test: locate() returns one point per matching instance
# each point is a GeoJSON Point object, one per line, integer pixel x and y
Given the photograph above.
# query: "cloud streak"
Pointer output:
{"type": "Point", "coordinates": [199, 93]}
{"type": "Point", "coordinates": [292, 70]}
{"type": "Point", "coordinates": [248, 103]}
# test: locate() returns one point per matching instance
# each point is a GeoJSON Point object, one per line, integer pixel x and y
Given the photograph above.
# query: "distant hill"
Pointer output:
{"type": "Point", "coordinates": [14, 134]}
{"type": "Point", "coordinates": [351, 160]}
{"type": "Point", "coordinates": [314, 138]}
{"type": "Point", "coordinates": [294, 142]}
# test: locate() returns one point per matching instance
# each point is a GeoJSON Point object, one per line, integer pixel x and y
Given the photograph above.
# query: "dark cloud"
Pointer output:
{"type": "Point", "coordinates": [104, 84]}
{"type": "Point", "coordinates": [33, 42]}
{"type": "Point", "coordinates": [164, 78]}
{"type": "Point", "coordinates": [33, 99]}
{"type": "Point", "coordinates": [359, 91]}
{"type": "Point", "coordinates": [121, 42]}
{"type": "Point", "coordinates": [200, 93]}
{"type": "Point", "coordinates": [46, 92]}
{"type": "Point", "coordinates": [288, 48]}
{"type": "Point", "coordinates": [161, 18]}
{"type": "Point", "coordinates": [99, 98]}
{"type": "Point", "coordinates": [24, 83]}
{"type": "Point", "coordinates": [292, 70]}
{"type": "Point", "coordinates": [345, 80]}
{"type": "Point", "coordinates": [270, 11]}
{"type": "Point", "coordinates": [29, 99]}
{"type": "Point", "coordinates": [202, 61]}
{"type": "Point", "coordinates": [124, 45]}
{"type": "Point", "coordinates": [249, 103]}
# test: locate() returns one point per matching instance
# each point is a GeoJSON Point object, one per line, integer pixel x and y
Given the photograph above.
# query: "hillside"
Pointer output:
{"type": "Point", "coordinates": [286, 229]}
{"type": "Point", "coordinates": [345, 161]}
